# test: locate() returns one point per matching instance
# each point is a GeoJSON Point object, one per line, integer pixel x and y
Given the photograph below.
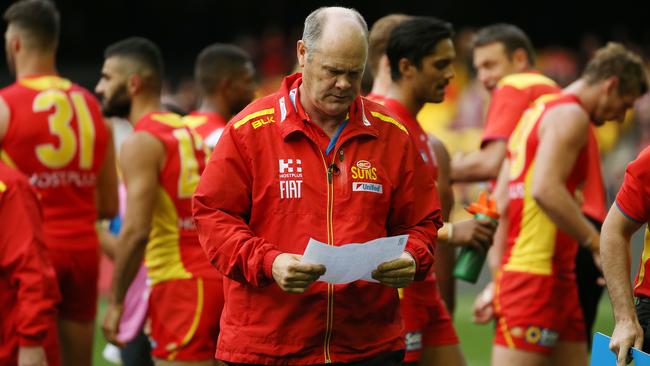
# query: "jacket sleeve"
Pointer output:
{"type": "Point", "coordinates": [23, 259]}
{"type": "Point", "coordinates": [415, 210]}
{"type": "Point", "coordinates": [221, 208]}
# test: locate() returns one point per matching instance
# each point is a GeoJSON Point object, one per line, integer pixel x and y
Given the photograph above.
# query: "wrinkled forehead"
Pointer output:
{"type": "Point", "coordinates": [494, 51]}
{"type": "Point", "coordinates": [119, 66]}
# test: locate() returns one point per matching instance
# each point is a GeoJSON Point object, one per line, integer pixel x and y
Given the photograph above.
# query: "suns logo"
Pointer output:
{"type": "Point", "coordinates": [363, 169]}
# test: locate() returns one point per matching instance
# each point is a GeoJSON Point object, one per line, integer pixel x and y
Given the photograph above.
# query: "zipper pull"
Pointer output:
{"type": "Point", "coordinates": [332, 170]}
{"type": "Point", "coordinates": [329, 174]}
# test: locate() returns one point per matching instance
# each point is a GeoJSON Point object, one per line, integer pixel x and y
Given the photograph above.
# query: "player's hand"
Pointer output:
{"type": "Point", "coordinates": [397, 273]}
{"type": "Point", "coordinates": [31, 356]}
{"type": "Point", "coordinates": [111, 324]}
{"type": "Point", "coordinates": [626, 334]}
{"type": "Point", "coordinates": [483, 305]}
{"type": "Point", "coordinates": [476, 233]}
{"type": "Point", "coordinates": [294, 276]}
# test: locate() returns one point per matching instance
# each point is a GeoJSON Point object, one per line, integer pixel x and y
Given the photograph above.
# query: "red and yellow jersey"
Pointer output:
{"type": "Point", "coordinates": [633, 201]}
{"type": "Point", "coordinates": [535, 245]}
{"type": "Point", "coordinates": [424, 292]}
{"type": "Point", "coordinates": [208, 125]}
{"type": "Point", "coordinates": [512, 96]}
{"type": "Point", "coordinates": [57, 137]}
{"type": "Point", "coordinates": [173, 250]}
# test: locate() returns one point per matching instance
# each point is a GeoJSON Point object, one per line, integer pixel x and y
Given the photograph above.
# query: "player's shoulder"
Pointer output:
{"type": "Point", "coordinates": [641, 165]}
{"type": "Point", "coordinates": [386, 121]}
{"type": "Point", "coordinates": [525, 80]}
{"type": "Point", "coordinates": [260, 112]}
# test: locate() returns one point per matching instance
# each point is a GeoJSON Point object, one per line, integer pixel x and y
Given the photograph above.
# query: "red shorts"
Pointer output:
{"type": "Point", "coordinates": [534, 312]}
{"type": "Point", "coordinates": [185, 318]}
{"type": "Point", "coordinates": [77, 272]}
{"type": "Point", "coordinates": [426, 325]}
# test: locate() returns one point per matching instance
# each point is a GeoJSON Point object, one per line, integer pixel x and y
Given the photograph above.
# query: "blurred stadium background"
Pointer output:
{"type": "Point", "coordinates": [564, 34]}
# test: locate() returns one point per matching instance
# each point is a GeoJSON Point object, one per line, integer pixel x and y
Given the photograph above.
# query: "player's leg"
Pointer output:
{"type": "Point", "coordinates": [442, 355]}
{"type": "Point", "coordinates": [76, 339]}
{"type": "Point", "coordinates": [504, 356]}
{"type": "Point", "coordinates": [569, 354]}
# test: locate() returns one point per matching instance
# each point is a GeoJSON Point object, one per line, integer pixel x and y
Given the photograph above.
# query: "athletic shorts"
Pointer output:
{"type": "Point", "coordinates": [77, 272]}
{"type": "Point", "coordinates": [185, 318]}
{"type": "Point", "coordinates": [534, 312]}
{"type": "Point", "coordinates": [426, 325]}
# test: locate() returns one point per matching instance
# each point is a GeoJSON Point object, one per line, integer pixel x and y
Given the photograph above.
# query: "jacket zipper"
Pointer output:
{"type": "Point", "coordinates": [329, 169]}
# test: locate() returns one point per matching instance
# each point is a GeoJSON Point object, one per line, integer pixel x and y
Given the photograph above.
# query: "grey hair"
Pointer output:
{"type": "Point", "coordinates": [315, 22]}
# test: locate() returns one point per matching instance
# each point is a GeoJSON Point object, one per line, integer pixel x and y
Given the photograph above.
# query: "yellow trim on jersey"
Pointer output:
{"type": "Point", "coordinates": [170, 119]}
{"type": "Point", "coordinates": [5, 158]}
{"type": "Point", "coordinates": [163, 253]}
{"type": "Point", "coordinates": [45, 83]}
{"type": "Point", "coordinates": [195, 121]}
{"type": "Point", "coordinates": [390, 120]}
{"type": "Point", "coordinates": [644, 257]}
{"type": "Point", "coordinates": [525, 80]}
{"type": "Point", "coordinates": [195, 321]}
{"type": "Point", "coordinates": [535, 244]}
{"type": "Point", "coordinates": [251, 116]}
{"type": "Point", "coordinates": [3, 186]}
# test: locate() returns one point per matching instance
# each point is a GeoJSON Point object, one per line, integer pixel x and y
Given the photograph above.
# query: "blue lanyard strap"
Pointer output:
{"type": "Point", "coordinates": [336, 136]}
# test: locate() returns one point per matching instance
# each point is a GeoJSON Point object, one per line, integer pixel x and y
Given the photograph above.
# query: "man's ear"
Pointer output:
{"type": "Point", "coordinates": [610, 84]}
{"type": "Point", "coordinates": [134, 84]}
{"type": "Point", "coordinates": [520, 59]}
{"type": "Point", "coordinates": [301, 51]}
{"type": "Point", "coordinates": [406, 68]}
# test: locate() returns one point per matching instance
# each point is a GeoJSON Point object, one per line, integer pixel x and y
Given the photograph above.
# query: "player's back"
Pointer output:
{"type": "Point", "coordinates": [173, 250]}
{"type": "Point", "coordinates": [57, 137]}
{"type": "Point", "coordinates": [533, 238]}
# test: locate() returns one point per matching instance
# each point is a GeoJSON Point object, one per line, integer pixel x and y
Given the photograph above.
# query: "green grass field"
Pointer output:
{"type": "Point", "coordinates": [475, 340]}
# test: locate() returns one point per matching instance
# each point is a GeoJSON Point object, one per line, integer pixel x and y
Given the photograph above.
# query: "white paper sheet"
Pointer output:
{"type": "Point", "coordinates": [351, 262]}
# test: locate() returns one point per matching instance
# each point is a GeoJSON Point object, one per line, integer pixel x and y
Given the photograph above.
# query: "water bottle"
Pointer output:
{"type": "Point", "coordinates": [470, 262]}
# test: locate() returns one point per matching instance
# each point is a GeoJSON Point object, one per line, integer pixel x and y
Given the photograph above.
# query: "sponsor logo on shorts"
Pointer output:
{"type": "Point", "coordinates": [413, 341]}
{"type": "Point", "coordinates": [367, 187]}
{"type": "Point", "coordinates": [541, 336]}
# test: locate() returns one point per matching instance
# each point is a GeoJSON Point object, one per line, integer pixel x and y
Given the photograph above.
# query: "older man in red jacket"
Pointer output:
{"type": "Point", "coordinates": [315, 160]}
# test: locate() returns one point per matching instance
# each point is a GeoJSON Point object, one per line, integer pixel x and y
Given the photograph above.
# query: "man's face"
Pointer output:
{"type": "Point", "coordinates": [492, 63]}
{"type": "Point", "coordinates": [242, 88]}
{"type": "Point", "coordinates": [112, 89]}
{"type": "Point", "coordinates": [612, 106]}
{"type": "Point", "coordinates": [434, 73]}
{"type": "Point", "coordinates": [332, 74]}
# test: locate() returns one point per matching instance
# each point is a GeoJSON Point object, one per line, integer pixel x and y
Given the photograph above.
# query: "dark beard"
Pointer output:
{"type": "Point", "coordinates": [118, 105]}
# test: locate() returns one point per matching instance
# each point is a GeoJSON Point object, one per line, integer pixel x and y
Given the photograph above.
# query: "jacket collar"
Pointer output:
{"type": "Point", "coordinates": [293, 118]}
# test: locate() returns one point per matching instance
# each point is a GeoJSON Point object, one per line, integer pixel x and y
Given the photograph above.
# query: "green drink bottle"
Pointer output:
{"type": "Point", "coordinates": [470, 262]}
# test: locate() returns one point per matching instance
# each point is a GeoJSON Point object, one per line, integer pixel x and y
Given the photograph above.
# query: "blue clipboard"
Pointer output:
{"type": "Point", "coordinates": [602, 356]}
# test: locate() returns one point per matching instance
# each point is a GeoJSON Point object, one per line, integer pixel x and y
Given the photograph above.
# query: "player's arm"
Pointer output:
{"type": "Point", "coordinates": [483, 305]}
{"type": "Point", "coordinates": [615, 253]}
{"type": "Point", "coordinates": [479, 165]}
{"type": "Point", "coordinates": [141, 156]}
{"type": "Point", "coordinates": [106, 190]}
{"type": "Point", "coordinates": [562, 134]}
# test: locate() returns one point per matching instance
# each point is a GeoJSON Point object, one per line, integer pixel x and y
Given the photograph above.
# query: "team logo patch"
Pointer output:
{"type": "Point", "coordinates": [363, 169]}
{"type": "Point", "coordinates": [413, 341]}
{"type": "Point", "coordinates": [290, 174]}
{"type": "Point", "coordinates": [367, 187]}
